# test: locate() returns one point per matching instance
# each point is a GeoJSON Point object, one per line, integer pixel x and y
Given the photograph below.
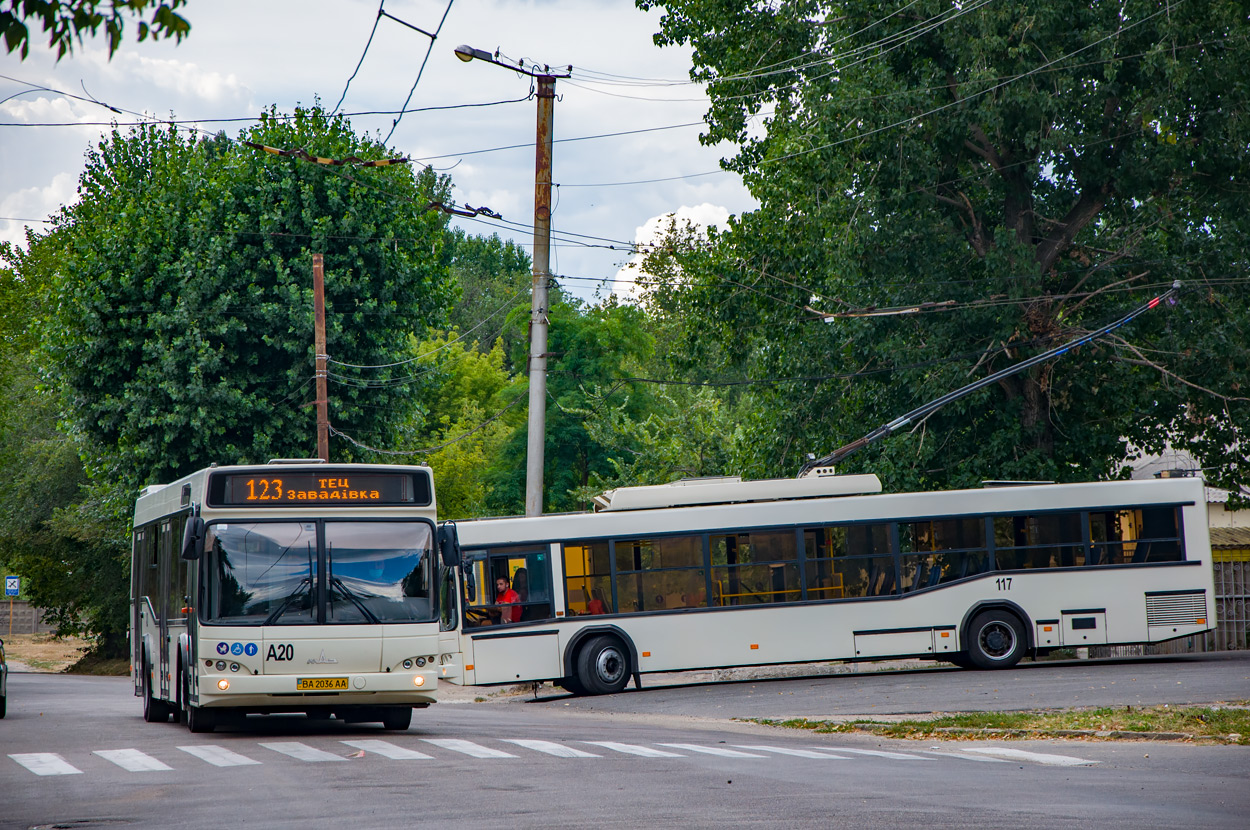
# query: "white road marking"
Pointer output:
{"type": "Point", "coordinates": [302, 752]}
{"type": "Point", "coordinates": [1033, 757]}
{"type": "Point", "coordinates": [218, 756]}
{"type": "Point", "coordinates": [801, 753]}
{"type": "Point", "coordinates": [132, 760]}
{"type": "Point", "coordinates": [714, 750]}
{"type": "Point", "coordinates": [550, 748]}
{"type": "Point", "coordinates": [881, 753]}
{"type": "Point", "coordinates": [634, 749]}
{"type": "Point", "coordinates": [956, 754]}
{"type": "Point", "coordinates": [467, 748]}
{"type": "Point", "coordinates": [45, 763]}
{"type": "Point", "coordinates": [388, 750]}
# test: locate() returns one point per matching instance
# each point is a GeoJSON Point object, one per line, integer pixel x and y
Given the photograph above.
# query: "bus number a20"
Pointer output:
{"type": "Point", "coordinates": [1003, 583]}
{"type": "Point", "coordinates": [281, 652]}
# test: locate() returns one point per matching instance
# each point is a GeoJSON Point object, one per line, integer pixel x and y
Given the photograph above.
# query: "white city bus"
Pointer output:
{"type": "Point", "coordinates": [288, 587]}
{"type": "Point", "coordinates": [720, 573]}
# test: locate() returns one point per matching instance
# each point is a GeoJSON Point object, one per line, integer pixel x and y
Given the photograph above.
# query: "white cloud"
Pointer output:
{"type": "Point", "coordinates": [34, 203]}
{"type": "Point", "coordinates": [699, 217]}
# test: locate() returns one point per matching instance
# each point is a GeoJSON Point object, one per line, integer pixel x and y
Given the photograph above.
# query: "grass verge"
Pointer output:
{"type": "Point", "coordinates": [1227, 724]}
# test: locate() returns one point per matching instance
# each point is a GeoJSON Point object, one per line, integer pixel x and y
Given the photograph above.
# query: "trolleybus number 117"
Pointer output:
{"type": "Point", "coordinates": [1004, 583]}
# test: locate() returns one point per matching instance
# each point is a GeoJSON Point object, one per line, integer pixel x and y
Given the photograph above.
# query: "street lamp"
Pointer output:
{"type": "Point", "coordinates": [546, 94]}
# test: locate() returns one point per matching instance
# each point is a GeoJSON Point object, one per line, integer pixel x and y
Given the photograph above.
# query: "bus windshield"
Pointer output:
{"type": "Point", "coordinates": [322, 572]}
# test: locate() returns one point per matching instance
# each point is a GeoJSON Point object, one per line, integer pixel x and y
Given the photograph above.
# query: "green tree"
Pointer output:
{"type": "Point", "coordinates": [469, 410]}
{"type": "Point", "coordinates": [70, 567]}
{"type": "Point", "coordinates": [183, 331]}
{"type": "Point", "coordinates": [66, 21]}
{"type": "Point", "coordinates": [492, 280]}
{"type": "Point", "coordinates": [175, 308]}
{"type": "Point", "coordinates": [593, 351]}
{"type": "Point", "coordinates": [1042, 167]}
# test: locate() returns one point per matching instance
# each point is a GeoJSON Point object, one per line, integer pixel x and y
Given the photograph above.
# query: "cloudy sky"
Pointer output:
{"type": "Point", "coordinates": [243, 55]}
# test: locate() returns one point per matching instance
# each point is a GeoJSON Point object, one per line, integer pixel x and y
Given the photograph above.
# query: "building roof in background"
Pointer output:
{"type": "Point", "coordinates": [1230, 537]}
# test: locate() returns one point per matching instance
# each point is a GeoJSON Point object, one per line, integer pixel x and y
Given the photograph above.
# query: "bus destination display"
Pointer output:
{"type": "Point", "coordinates": [327, 488]}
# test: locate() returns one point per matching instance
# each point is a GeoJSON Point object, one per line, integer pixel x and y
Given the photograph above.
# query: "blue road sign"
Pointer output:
{"type": "Point", "coordinates": [12, 586]}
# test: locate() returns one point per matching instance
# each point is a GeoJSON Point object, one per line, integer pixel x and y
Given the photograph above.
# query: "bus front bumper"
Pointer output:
{"type": "Point", "coordinates": [293, 692]}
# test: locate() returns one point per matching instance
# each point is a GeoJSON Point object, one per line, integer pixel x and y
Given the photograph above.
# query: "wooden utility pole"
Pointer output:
{"type": "Point", "coordinates": [319, 344]}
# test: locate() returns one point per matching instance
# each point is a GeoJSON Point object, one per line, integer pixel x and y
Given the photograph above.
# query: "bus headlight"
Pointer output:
{"type": "Point", "coordinates": [408, 664]}
{"type": "Point", "coordinates": [420, 662]}
{"type": "Point", "coordinates": [418, 680]}
{"type": "Point", "coordinates": [223, 684]}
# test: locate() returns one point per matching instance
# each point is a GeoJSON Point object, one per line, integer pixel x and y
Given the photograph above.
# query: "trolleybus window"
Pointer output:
{"type": "Point", "coordinates": [588, 578]}
{"type": "Point", "coordinates": [526, 578]}
{"type": "Point", "coordinates": [848, 561]}
{"type": "Point", "coordinates": [756, 567]}
{"type": "Point", "coordinates": [661, 573]}
{"type": "Point", "coordinates": [936, 551]}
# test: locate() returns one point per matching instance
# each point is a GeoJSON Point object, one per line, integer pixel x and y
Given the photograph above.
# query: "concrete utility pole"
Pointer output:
{"type": "Point", "coordinates": [536, 443]}
{"type": "Point", "coordinates": [319, 345]}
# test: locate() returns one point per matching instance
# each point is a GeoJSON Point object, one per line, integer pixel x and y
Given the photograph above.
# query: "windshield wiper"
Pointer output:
{"type": "Point", "coordinates": [338, 583]}
{"type": "Point", "coordinates": [281, 609]}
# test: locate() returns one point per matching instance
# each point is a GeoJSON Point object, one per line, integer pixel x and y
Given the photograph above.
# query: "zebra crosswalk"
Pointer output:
{"type": "Point", "coordinates": [432, 749]}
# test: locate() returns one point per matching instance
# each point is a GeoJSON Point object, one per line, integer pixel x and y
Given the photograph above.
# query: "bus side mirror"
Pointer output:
{"type": "Point", "coordinates": [193, 538]}
{"type": "Point", "coordinates": [449, 545]}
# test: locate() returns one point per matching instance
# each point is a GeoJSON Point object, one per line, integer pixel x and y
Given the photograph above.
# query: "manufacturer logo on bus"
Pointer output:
{"type": "Point", "coordinates": [322, 659]}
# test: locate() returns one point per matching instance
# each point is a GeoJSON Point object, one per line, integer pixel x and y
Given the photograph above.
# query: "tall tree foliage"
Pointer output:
{"type": "Point", "coordinates": [183, 332]}
{"type": "Point", "coordinates": [176, 315]}
{"type": "Point", "coordinates": [1045, 167]}
{"type": "Point", "coordinates": [66, 21]}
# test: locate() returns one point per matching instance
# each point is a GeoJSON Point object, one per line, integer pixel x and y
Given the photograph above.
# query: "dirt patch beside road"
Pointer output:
{"type": "Point", "coordinates": [43, 652]}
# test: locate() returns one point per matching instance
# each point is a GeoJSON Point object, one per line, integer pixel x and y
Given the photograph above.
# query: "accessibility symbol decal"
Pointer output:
{"type": "Point", "coordinates": [236, 649]}
{"type": "Point", "coordinates": [250, 649]}
{"type": "Point", "coordinates": [223, 648]}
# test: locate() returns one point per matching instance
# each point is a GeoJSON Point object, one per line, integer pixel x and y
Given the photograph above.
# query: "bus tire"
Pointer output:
{"type": "Point", "coordinates": [397, 719]}
{"type": "Point", "coordinates": [572, 685]}
{"type": "Point", "coordinates": [200, 720]}
{"type": "Point", "coordinates": [154, 711]}
{"type": "Point", "coordinates": [603, 666]}
{"type": "Point", "coordinates": [995, 640]}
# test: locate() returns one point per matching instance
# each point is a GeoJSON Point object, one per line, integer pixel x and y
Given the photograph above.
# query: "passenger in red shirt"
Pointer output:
{"type": "Point", "coordinates": [504, 595]}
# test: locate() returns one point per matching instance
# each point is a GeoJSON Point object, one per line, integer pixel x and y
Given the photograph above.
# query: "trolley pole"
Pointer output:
{"type": "Point", "coordinates": [319, 345]}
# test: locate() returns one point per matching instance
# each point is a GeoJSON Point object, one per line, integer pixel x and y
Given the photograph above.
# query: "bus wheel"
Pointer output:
{"type": "Point", "coordinates": [397, 719]}
{"type": "Point", "coordinates": [995, 640]}
{"type": "Point", "coordinates": [572, 685]}
{"type": "Point", "coordinates": [154, 711]}
{"type": "Point", "coordinates": [200, 719]}
{"type": "Point", "coordinates": [603, 666]}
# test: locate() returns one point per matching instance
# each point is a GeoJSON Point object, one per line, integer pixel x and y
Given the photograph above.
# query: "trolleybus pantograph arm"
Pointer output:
{"type": "Point", "coordinates": [936, 404]}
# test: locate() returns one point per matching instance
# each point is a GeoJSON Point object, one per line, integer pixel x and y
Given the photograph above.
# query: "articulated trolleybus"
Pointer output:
{"type": "Point", "coordinates": [289, 587]}
{"type": "Point", "coordinates": [720, 573]}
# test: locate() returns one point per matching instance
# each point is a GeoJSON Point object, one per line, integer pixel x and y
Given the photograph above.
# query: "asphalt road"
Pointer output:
{"type": "Point", "coordinates": [74, 752]}
{"type": "Point", "coordinates": [1187, 679]}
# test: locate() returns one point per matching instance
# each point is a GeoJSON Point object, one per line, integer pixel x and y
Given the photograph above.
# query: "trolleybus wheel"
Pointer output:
{"type": "Point", "coordinates": [603, 666]}
{"type": "Point", "coordinates": [995, 640]}
{"type": "Point", "coordinates": [572, 685]}
{"type": "Point", "coordinates": [398, 719]}
{"type": "Point", "coordinates": [154, 711]}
